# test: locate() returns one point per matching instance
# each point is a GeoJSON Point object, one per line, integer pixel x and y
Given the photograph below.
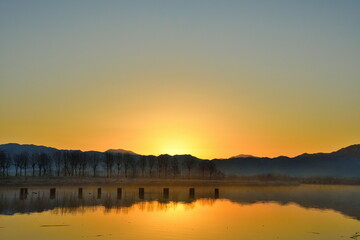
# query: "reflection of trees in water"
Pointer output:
{"type": "Point", "coordinates": [73, 210]}
{"type": "Point", "coordinates": [144, 206]}
{"type": "Point", "coordinates": [189, 206]}
{"type": "Point", "coordinates": [206, 202]}
{"type": "Point", "coordinates": [153, 206]}
{"type": "Point", "coordinates": [344, 199]}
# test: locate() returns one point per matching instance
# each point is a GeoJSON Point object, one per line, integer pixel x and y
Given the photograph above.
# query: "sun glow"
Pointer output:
{"type": "Point", "coordinates": [176, 141]}
{"type": "Point", "coordinates": [176, 146]}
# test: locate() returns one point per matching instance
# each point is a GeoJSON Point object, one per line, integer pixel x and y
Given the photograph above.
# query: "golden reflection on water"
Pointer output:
{"type": "Point", "coordinates": [201, 219]}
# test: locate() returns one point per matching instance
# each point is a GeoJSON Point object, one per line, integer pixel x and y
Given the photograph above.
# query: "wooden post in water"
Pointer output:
{"type": "Point", "coordinates": [99, 193]}
{"type": "Point", "coordinates": [21, 196]}
{"type": "Point", "coordinates": [23, 193]}
{"type": "Point", "coordinates": [119, 193]}
{"type": "Point", "coordinates": [52, 193]}
{"type": "Point", "coordinates": [80, 193]}
{"type": "Point", "coordinates": [166, 193]}
{"type": "Point", "coordinates": [192, 192]}
{"type": "Point", "coordinates": [141, 193]}
{"type": "Point", "coordinates": [216, 191]}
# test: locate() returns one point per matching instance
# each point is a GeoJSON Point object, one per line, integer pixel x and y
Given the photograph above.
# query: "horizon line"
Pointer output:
{"type": "Point", "coordinates": [250, 155]}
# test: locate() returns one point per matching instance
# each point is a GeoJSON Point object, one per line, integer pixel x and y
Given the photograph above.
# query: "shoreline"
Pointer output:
{"type": "Point", "coordinates": [104, 181]}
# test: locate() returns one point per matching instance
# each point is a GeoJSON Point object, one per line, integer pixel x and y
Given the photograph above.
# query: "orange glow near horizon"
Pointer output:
{"type": "Point", "coordinates": [211, 80]}
{"type": "Point", "coordinates": [184, 121]}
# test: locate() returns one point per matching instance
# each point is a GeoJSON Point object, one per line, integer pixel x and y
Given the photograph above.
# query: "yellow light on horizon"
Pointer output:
{"type": "Point", "coordinates": [175, 146]}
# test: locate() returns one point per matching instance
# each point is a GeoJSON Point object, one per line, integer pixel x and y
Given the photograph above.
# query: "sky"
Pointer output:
{"type": "Point", "coordinates": [209, 78]}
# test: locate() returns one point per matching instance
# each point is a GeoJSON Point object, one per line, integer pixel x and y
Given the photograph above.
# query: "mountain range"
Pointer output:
{"type": "Point", "coordinates": [342, 163]}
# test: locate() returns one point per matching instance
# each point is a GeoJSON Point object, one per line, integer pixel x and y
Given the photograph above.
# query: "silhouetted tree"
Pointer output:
{"type": "Point", "coordinates": [175, 166]}
{"type": "Point", "coordinates": [189, 163]}
{"type": "Point", "coordinates": [24, 162]}
{"type": "Point", "coordinates": [212, 168]}
{"type": "Point", "coordinates": [151, 160]}
{"type": "Point", "coordinates": [8, 163]}
{"type": "Point", "coordinates": [39, 164]}
{"type": "Point", "coordinates": [33, 161]}
{"type": "Point", "coordinates": [119, 161]}
{"type": "Point", "coordinates": [203, 167]}
{"type": "Point", "coordinates": [17, 163]}
{"type": "Point", "coordinates": [67, 159]}
{"type": "Point", "coordinates": [94, 161]}
{"type": "Point", "coordinates": [142, 164]}
{"type": "Point", "coordinates": [58, 161]}
{"type": "Point", "coordinates": [133, 164]}
{"type": "Point", "coordinates": [3, 159]}
{"type": "Point", "coordinates": [159, 164]}
{"type": "Point", "coordinates": [82, 164]}
{"type": "Point", "coordinates": [109, 162]}
{"type": "Point", "coordinates": [75, 158]}
{"type": "Point", "coordinates": [127, 162]}
{"type": "Point", "coordinates": [166, 163]}
{"type": "Point", "coordinates": [43, 163]}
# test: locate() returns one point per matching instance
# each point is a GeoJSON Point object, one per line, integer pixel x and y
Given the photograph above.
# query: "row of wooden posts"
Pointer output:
{"type": "Point", "coordinates": [166, 193]}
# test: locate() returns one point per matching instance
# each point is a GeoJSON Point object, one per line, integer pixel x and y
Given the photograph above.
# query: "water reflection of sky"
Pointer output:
{"type": "Point", "coordinates": [200, 219]}
{"type": "Point", "coordinates": [343, 199]}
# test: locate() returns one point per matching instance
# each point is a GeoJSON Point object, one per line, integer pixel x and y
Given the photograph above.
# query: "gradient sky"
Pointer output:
{"type": "Point", "coordinates": [209, 78]}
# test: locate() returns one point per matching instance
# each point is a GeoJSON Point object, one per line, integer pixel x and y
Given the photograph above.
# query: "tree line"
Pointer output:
{"type": "Point", "coordinates": [109, 164]}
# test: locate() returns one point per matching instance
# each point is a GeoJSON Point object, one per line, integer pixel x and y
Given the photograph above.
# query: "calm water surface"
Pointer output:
{"type": "Point", "coordinates": [289, 212]}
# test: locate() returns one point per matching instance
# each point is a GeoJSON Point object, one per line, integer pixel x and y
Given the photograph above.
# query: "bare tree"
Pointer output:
{"type": "Point", "coordinates": [109, 162]}
{"type": "Point", "coordinates": [8, 164]}
{"type": "Point", "coordinates": [174, 166]}
{"type": "Point", "coordinates": [33, 161]}
{"type": "Point", "coordinates": [203, 167]}
{"type": "Point", "coordinates": [3, 159]}
{"type": "Point", "coordinates": [142, 165]}
{"type": "Point", "coordinates": [17, 164]}
{"type": "Point", "coordinates": [75, 158]}
{"type": "Point", "coordinates": [24, 162]}
{"type": "Point", "coordinates": [119, 160]}
{"type": "Point", "coordinates": [160, 165]}
{"type": "Point", "coordinates": [43, 163]}
{"type": "Point", "coordinates": [133, 164]}
{"type": "Point", "coordinates": [94, 161]}
{"type": "Point", "coordinates": [212, 168]}
{"type": "Point", "coordinates": [166, 163]}
{"type": "Point", "coordinates": [189, 163]}
{"type": "Point", "coordinates": [48, 165]}
{"type": "Point", "coordinates": [58, 161]}
{"type": "Point", "coordinates": [82, 164]}
{"type": "Point", "coordinates": [66, 158]}
{"type": "Point", "coordinates": [127, 162]}
{"type": "Point", "coordinates": [151, 160]}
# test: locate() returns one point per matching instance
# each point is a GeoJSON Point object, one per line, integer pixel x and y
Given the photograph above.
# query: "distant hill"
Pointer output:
{"type": "Point", "coordinates": [14, 148]}
{"type": "Point", "coordinates": [243, 156]}
{"type": "Point", "coordinates": [353, 150]}
{"type": "Point", "coordinates": [342, 163]}
{"type": "Point", "coordinates": [121, 151]}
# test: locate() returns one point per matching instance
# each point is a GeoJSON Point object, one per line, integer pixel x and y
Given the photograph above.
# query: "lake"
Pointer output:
{"type": "Point", "coordinates": [302, 212]}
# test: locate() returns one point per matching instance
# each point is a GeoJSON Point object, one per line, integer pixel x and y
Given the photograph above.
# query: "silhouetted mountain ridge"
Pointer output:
{"type": "Point", "coordinates": [344, 162]}
{"type": "Point", "coordinates": [121, 151]}
{"type": "Point", "coordinates": [353, 150]}
{"type": "Point", "coordinates": [15, 148]}
{"type": "Point", "coordinates": [243, 156]}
